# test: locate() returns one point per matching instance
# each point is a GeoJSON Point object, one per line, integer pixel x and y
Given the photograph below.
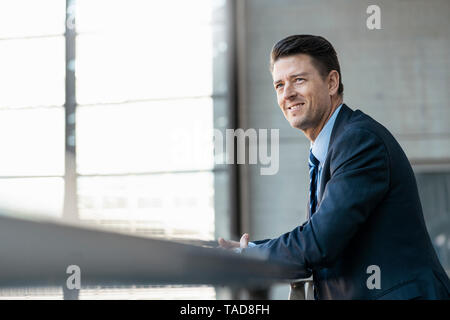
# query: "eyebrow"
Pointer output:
{"type": "Point", "coordinates": [293, 76]}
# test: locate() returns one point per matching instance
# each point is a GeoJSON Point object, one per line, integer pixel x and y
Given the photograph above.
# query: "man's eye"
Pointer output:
{"type": "Point", "coordinates": [278, 86]}
{"type": "Point", "coordinates": [299, 79]}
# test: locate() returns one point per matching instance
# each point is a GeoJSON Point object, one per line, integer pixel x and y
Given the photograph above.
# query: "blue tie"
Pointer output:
{"type": "Point", "coordinates": [313, 174]}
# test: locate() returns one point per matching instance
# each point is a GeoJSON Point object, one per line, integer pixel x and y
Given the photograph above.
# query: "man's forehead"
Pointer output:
{"type": "Point", "coordinates": [292, 65]}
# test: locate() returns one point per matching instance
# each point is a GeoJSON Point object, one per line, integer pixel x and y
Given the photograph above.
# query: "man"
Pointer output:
{"type": "Point", "coordinates": [365, 218]}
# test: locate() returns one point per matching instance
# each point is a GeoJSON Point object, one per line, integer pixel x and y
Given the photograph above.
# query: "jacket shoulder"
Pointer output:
{"type": "Point", "coordinates": [360, 120]}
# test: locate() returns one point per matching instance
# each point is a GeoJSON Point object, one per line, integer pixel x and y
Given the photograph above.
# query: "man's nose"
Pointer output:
{"type": "Point", "coordinates": [289, 92]}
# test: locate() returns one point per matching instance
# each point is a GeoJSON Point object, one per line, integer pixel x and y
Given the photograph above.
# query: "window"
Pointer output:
{"type": "Point", "coordinates": [434, 190]}
{"type": "Point", "coordinates": [144, 118]}
{"type": "Point", "coordinates": [31, 106]}
{"type": "Point", "coordinates": [147, 94]}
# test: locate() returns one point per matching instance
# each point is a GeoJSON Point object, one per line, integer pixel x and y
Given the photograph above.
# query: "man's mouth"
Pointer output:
{"type": "Point", "coordinates": [296, 107]}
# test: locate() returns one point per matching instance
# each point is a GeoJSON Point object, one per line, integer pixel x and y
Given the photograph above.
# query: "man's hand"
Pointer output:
{"type": "Point", "coordinates": [230, 244]}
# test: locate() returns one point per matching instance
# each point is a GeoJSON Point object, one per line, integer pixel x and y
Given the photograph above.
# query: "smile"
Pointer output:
{"type": "Point", "coordinates": [295, 107]}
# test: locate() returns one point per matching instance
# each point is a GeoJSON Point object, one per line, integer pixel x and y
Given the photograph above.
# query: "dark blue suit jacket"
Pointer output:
{"type": "Point", "coordinates": [369, 213]}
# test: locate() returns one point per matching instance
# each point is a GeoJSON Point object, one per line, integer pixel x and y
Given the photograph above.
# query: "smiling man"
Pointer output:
{"type": "Point", "coordinates": [364, 211]}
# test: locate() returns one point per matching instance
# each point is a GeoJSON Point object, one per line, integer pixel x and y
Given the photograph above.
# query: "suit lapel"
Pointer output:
{"type": "Point", "coordinates": [338, 127]}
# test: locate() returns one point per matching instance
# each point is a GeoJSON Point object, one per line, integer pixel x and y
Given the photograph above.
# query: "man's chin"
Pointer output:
{"type": "Point", "coordinates": [297, 124]}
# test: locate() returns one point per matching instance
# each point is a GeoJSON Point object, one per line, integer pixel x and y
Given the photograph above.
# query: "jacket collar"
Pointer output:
{"type": "Point", "coordinates": [342, 118]}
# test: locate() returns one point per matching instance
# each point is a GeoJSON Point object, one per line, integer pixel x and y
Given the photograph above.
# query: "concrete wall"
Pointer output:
{"type": "Point", "coordinates": [400, 75]}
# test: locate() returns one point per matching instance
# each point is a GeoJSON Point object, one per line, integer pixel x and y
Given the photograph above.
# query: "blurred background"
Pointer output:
{"type": "Point", "coordinates": [107, 112]}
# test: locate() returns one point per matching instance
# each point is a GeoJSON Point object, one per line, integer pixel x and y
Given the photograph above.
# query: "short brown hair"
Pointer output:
{"type": "Point", "coordinates": [318, 48]}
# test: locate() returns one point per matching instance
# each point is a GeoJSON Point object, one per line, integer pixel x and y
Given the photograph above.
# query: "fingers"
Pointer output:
{"type": "Point", "coordinates": [228, 244]}
{"type": "Point", "coordinates": [244, 240]}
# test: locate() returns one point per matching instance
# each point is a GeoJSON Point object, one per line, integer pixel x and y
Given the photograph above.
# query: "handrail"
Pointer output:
{"type": "Point", "coordinates": [37, 252]}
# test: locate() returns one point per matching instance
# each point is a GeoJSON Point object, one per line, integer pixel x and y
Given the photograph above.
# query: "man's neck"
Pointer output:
{"type": "Point", "coordinates": [314, 132]}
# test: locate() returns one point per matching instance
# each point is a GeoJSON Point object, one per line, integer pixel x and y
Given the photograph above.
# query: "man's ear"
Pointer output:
{"type": "Point", "coordinates": [333, 82]}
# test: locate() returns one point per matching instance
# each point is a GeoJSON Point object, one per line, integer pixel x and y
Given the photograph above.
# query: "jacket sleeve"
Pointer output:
{"type": "Point", "coordinates": [359, 181]}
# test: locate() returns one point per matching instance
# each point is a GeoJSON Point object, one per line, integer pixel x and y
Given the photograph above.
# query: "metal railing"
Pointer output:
{"type": "Point", "coordinates": [37, 252]}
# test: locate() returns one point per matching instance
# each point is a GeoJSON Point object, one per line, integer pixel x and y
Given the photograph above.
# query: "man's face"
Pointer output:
{"type": "Point", "coordinates": [302, 93]}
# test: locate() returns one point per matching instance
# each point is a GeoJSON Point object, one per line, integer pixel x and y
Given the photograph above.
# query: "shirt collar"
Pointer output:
{"type": "Point", "coordinates": [320, 145]}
